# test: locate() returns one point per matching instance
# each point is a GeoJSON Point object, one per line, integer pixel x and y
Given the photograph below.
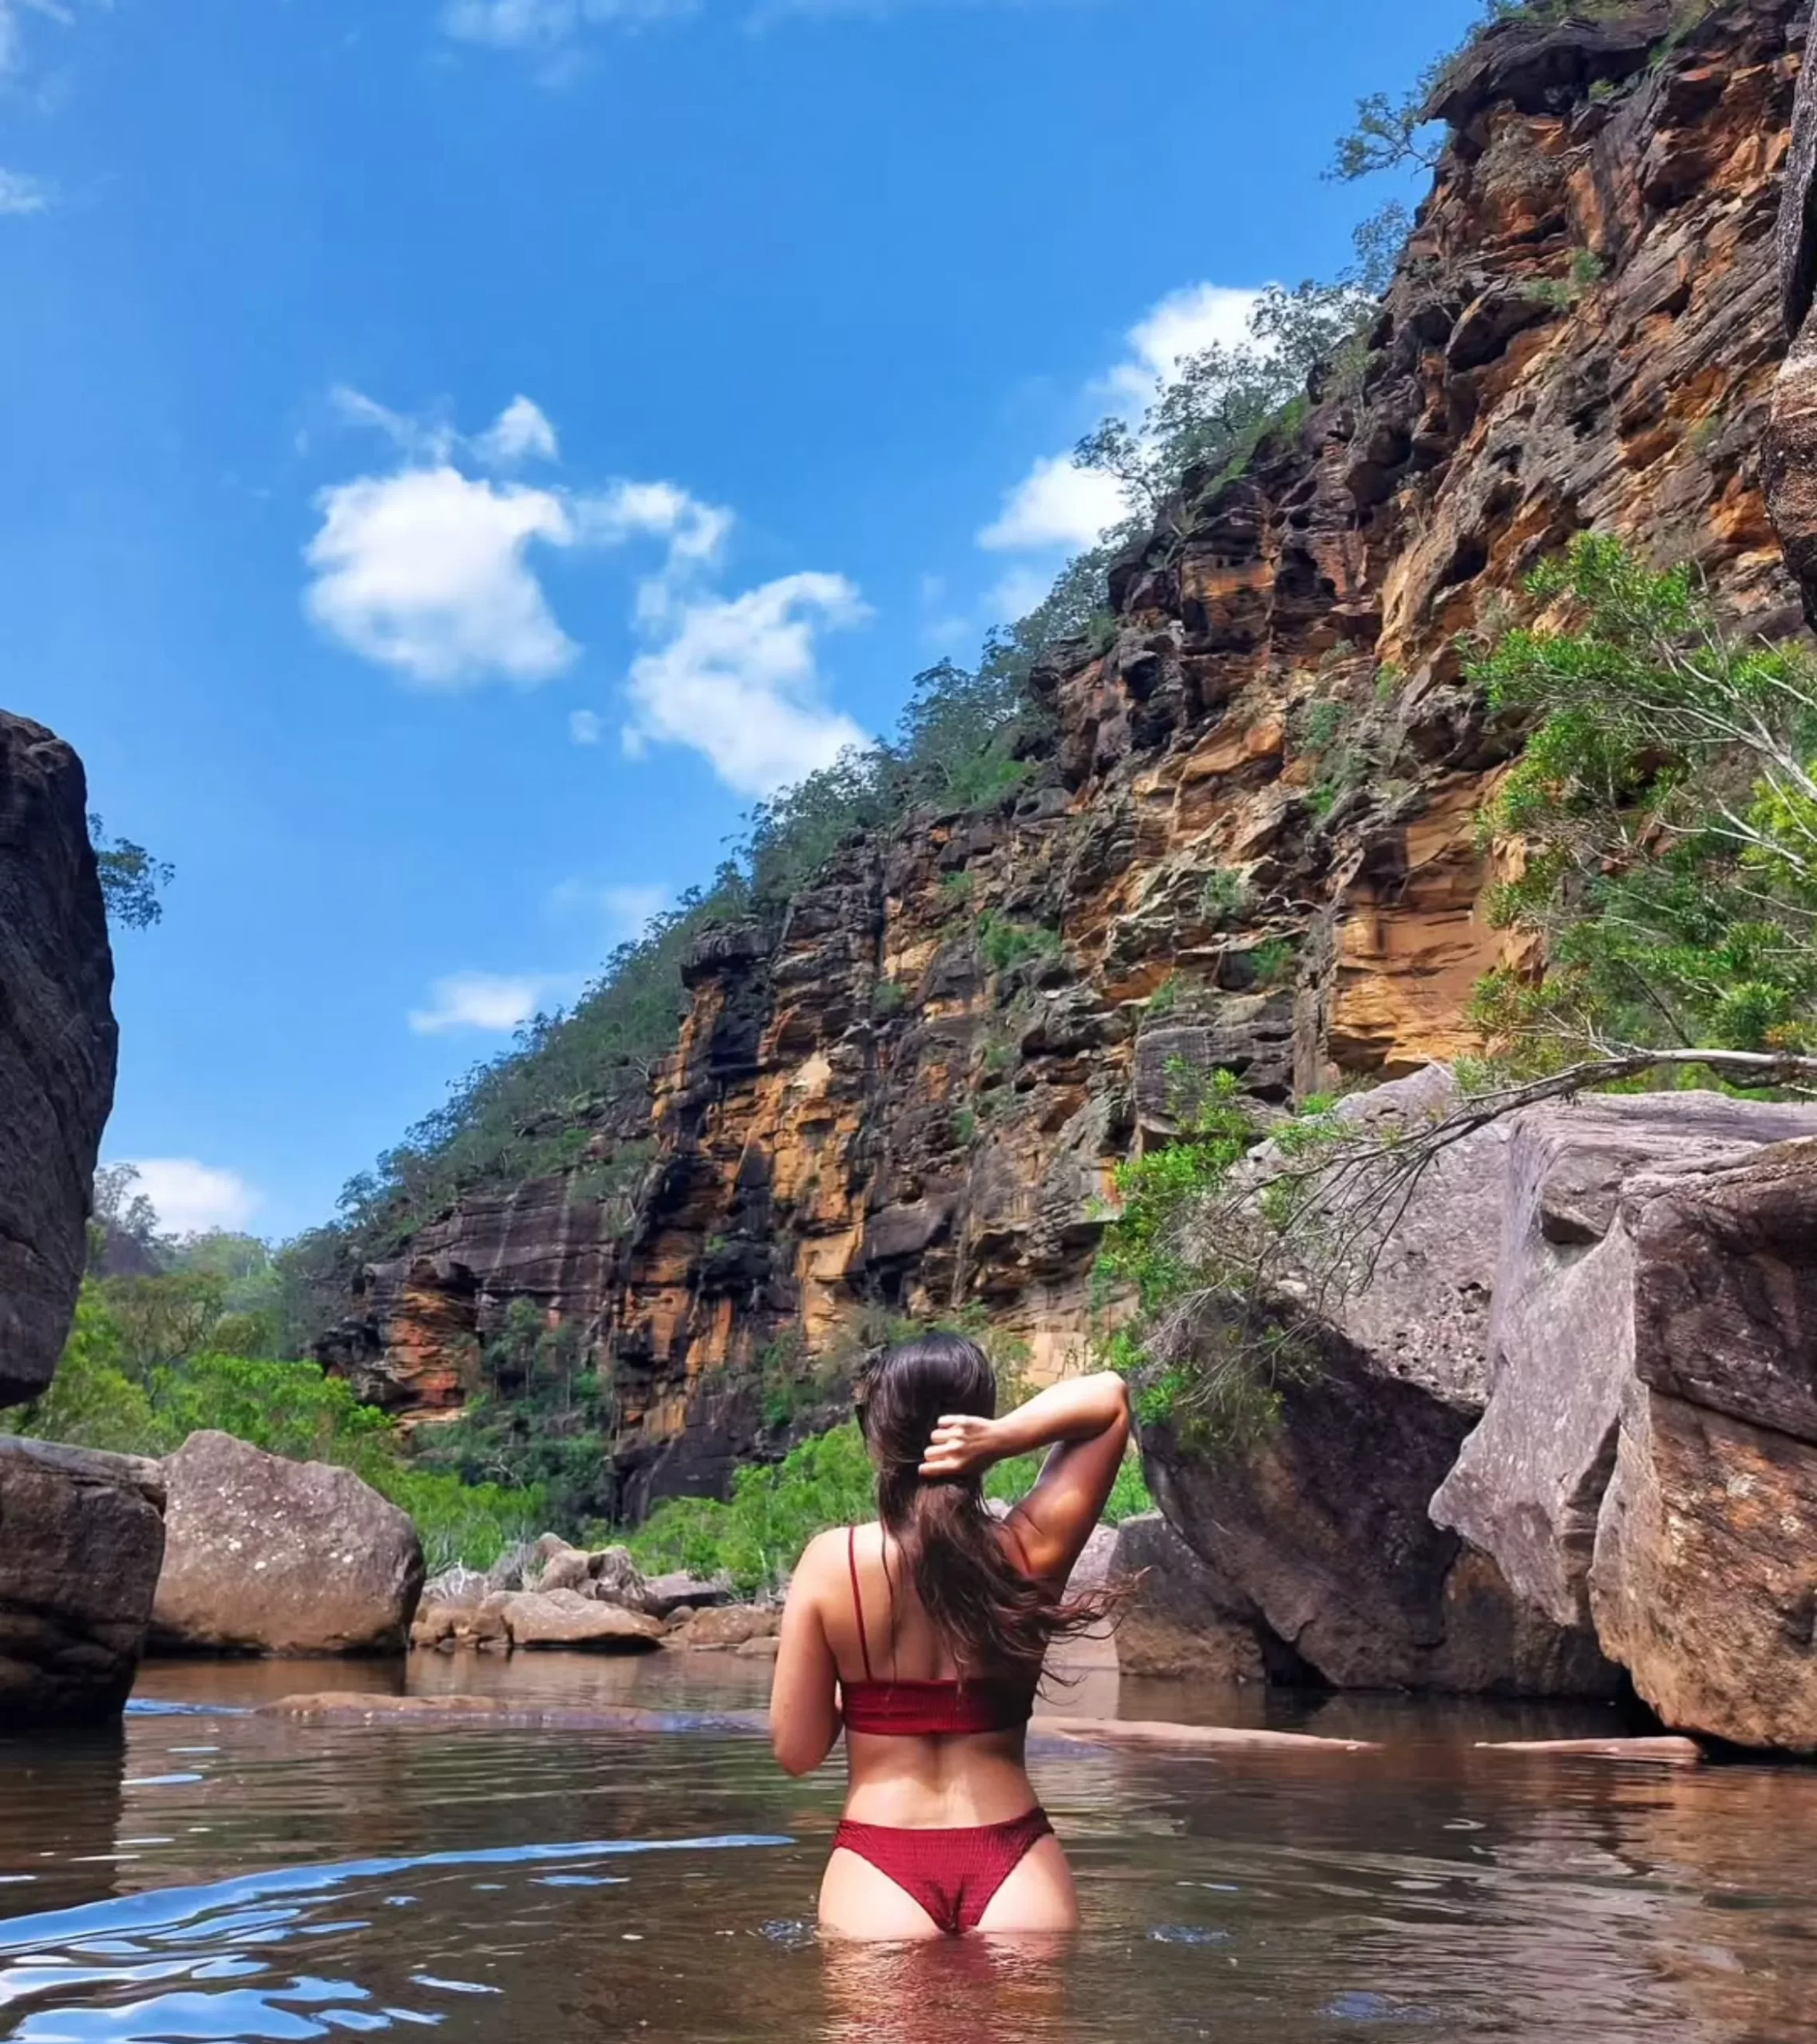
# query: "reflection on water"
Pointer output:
{"type": "Point", "coordinates": [217, 1873]}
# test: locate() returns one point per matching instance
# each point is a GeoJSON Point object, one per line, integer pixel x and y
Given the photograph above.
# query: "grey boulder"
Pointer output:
{"type": "Point", "coordinates": [265, 1555]}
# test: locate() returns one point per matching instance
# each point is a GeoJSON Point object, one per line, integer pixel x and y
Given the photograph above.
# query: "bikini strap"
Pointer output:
{"type": "Point", "coordinates": [858, 1601]}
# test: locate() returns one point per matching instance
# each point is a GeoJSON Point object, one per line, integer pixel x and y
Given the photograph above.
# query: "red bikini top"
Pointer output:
{"type": "Point", "coordinates": [925, 1710]}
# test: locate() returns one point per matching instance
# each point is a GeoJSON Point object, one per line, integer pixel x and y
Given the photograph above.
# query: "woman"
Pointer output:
{"type": "Point", "coordinates": [924, 1636]}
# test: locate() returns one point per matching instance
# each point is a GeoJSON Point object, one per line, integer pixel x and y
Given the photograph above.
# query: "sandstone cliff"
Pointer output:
{"type": "Point", "coordinates": [1249, 839]}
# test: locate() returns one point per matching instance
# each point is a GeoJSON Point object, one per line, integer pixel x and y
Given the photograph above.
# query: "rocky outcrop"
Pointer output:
{"type": "Point", "coordinates": [81, 1536]}
{"type": "Point", "coordinates": [1324, 1534]}
{"type": "Point", "coordinates": [565, 1619]}
{"type": "Point", "coordinates": [1648, 1456]}
{"type": "Point", "coordinates": [871, 1111]}
{"type": "Point", "coordinates": [264, 1556]}
{"type": "Point", "coordinates": [57, 1047]}
{"type": "Point", "coordinates": [1631, 1486]}
{"type": "Point", "coordinates": [1606, 1274]}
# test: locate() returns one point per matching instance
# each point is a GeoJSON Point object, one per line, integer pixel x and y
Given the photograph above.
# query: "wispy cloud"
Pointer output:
{"type": "Point", "coordinates": [491, 1002]}
{"type": "Point", "coordinates": [541, 25]}
{"type": "Point", "coordinates": [21, 193]}
{"type": "Point", "coordinates": [621, 908]}
{"type": "Point", "coordinates": [191, 1197]}
{"type": "Point", "coordinates": [586, 726]}
{"type": "Point", "coordinates": [1058, 508]}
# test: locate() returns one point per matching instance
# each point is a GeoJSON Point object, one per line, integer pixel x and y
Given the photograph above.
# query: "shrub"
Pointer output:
{"type": "Point", "coordinates": [1003, 943]}
{"type": "Point", "coordinates": [1225, 897]}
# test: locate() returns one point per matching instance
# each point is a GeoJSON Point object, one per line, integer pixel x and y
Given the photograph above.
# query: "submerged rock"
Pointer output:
{"type": "Point", "coordinates": [82, 1535]}
{"type": "Point", "coordinates": [269, 1556]}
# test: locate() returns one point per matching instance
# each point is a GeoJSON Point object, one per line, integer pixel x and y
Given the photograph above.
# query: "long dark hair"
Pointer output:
{"type": "Point", "coordinates": [995, 1622]}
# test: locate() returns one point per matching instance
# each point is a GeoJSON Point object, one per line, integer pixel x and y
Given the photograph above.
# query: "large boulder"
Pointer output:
{"type": "Point", "coordinates": [57, 1047]}
{"type": "Point", "coordinates": [1322, 1534]}
{"type": "Point", "coordinates": [264, 1556]}
{"type": "Point", "coordinates": [1705, 1580]}
{"type": "Point", "coordinates": [1606, 1269]}
{"type": "Point", "coordinates": [81, 1536]}
{"type": "Point", "coordinates": [1173, 1616]}
{"type": "Point", "coordinates": [1323, 1530]}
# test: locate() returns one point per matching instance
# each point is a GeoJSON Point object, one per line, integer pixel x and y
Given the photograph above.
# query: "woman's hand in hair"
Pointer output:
{"type": "Point", "coordinates": [961, 1444]}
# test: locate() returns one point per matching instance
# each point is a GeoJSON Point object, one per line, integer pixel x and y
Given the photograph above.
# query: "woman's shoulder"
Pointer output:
{"type": "Point", "coordinates": [830, 1549]}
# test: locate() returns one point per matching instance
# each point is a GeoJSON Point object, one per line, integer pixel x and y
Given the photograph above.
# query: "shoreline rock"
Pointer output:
{"type": "Point", "coordinates": [81, 1538]}
{"type": "Point", "coordinates": [267, 1556]}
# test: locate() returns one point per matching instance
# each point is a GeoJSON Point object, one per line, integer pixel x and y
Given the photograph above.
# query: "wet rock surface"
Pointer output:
{"type": "Point", "coordinates": [81, 1538]}
{"type": "Point", "coordinates": [264, 1556]}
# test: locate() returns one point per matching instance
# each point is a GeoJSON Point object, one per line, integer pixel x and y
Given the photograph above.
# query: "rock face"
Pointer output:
{"type": "Point", "coordinates": [1612, 1265]}
{"type": "Point", "coordinates": [865, 1112]}
{"type": "Point", "coordinates": [1172, 1619]}
{"type": "Point", "coordinates": [57, 1047]}
{"type": "Point", "coordinates": [81, 1536]}
{"type": "Point", "coordinates": [1790, 451]}
{"type": "Point", "coordinates": [1648, 1456]}
{"type": "Point", "coordinates": [267, 1556]}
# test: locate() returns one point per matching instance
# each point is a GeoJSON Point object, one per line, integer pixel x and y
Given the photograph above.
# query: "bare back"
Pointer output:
{"type": "Point", "coordinates": [917, 1782]}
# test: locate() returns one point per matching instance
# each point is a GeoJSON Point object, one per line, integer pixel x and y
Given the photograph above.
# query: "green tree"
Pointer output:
{"type": "Point", "coordinates": [1665, 801]}
{"type": "Point", "coordinates": [131, 879]}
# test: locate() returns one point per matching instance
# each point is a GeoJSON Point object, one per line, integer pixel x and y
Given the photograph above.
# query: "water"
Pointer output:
{"type": "Point", "coordinates": [211, 1875]}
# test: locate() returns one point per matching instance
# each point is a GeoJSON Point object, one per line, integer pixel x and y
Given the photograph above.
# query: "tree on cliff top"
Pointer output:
{"type": "Point", "coordinates": [131, 879]}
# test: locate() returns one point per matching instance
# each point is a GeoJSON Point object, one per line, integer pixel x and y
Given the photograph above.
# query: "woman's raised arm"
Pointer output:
{"type": "Point", "coordinates": [1085, 1421]}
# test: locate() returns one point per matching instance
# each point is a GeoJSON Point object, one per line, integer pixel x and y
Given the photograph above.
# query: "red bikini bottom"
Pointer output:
{"type": "Point", "coordinates": [952, 1874]}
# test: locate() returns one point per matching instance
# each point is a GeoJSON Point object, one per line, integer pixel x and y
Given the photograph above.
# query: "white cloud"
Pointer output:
{"type": "Point", "coordinates": [1016, 593]}
{"type": "Point", "coordinates": [497, 1002]}
{"type": "Point", "coordinates": [1055, 505]}
{"type": "Point", "coordinates": [1183, 323]}
{"type": "Point", "coordinates": [541, 24]}
{"type": "Point", "coordinates": [695, 531]}
{"type": "Point", "coordinates": [738, 680]}
{"type": "Point", "coordinates": [520, 432]}
{"type": "Point", "coordinates": [1059, 508]}
{"type": "Point", "coordinates": [191, 1197]}
{"type": "Point", "coordinates": [426, 570]}
{"type": "Point", "coordinates": [432, 571]}
{"type": "Point", "coordinates": [21, 193]}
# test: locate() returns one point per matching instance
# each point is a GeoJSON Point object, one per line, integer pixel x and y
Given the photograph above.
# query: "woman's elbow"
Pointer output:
{"type": "Point", "coordinates": [796, 1759]}
{"type": "Point", "coordinates": [1117, 1397]}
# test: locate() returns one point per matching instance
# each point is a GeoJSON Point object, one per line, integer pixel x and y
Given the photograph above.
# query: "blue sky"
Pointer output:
{"type": "Point", "coordinates": [460, 452]}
